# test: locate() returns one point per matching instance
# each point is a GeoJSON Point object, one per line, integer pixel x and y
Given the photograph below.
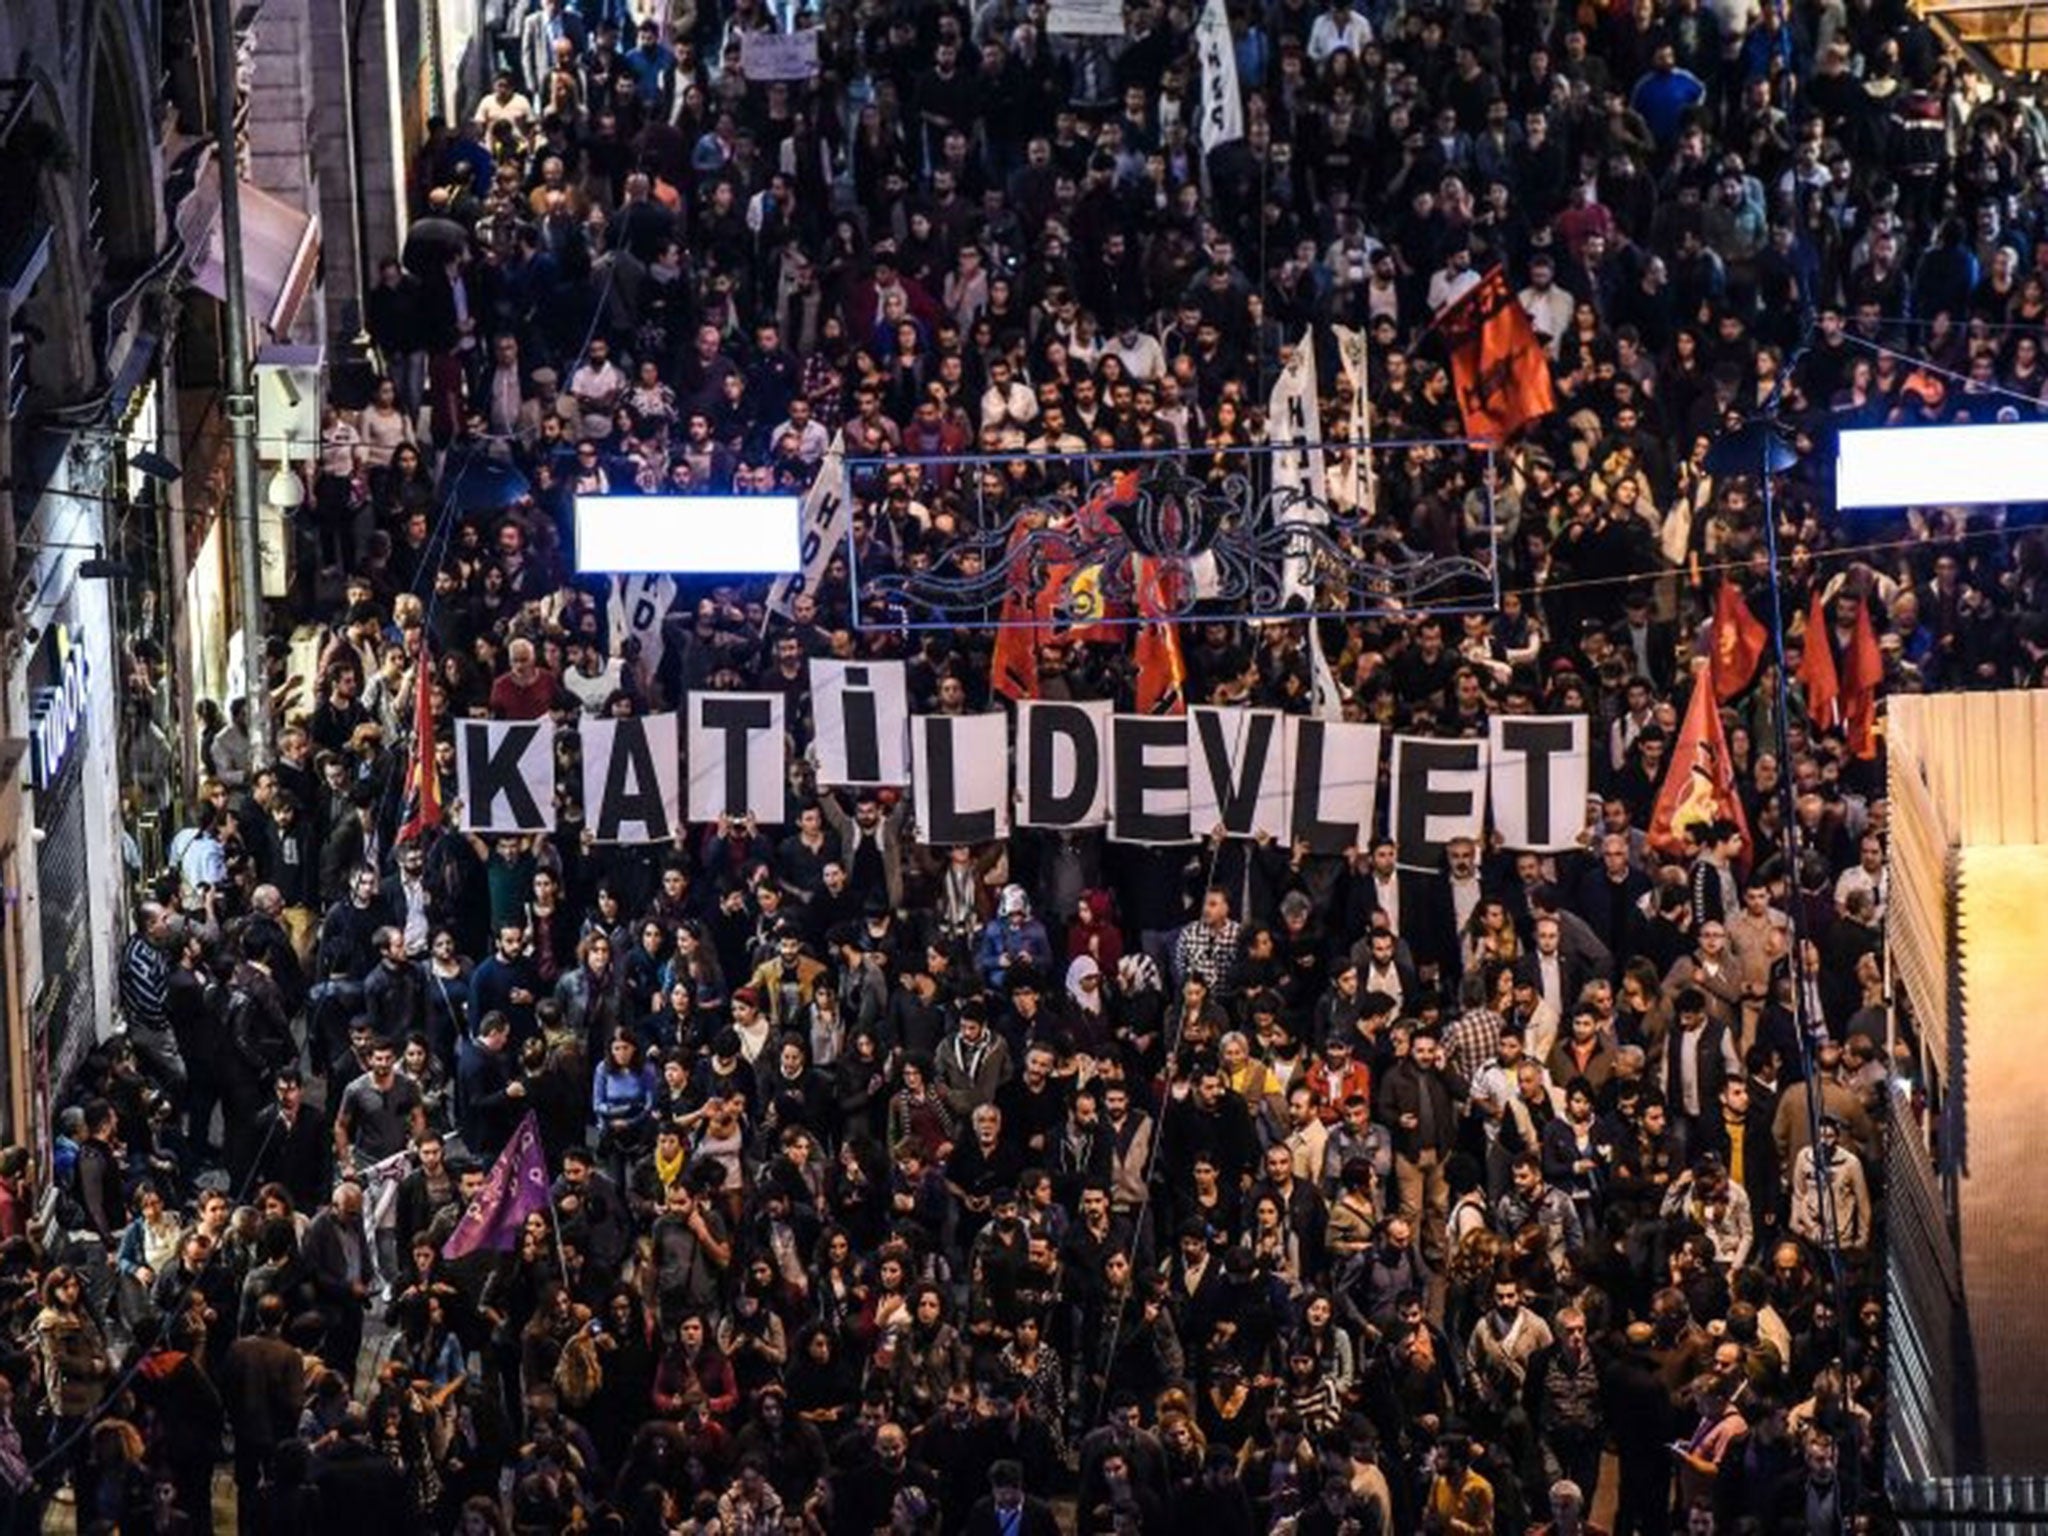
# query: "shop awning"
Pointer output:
{"type": "Point", "coordinates": [280, 250]}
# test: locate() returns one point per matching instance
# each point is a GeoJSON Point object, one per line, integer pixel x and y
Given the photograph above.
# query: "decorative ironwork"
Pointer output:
{"type": "Point", "coordinates": [1147, 540]}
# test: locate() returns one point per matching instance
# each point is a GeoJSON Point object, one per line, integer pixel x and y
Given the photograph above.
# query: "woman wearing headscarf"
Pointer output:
{"type": "Point", "coordinates": [1138, 1010]}
{"type": "Point", "coordinates": [1089, 1026]}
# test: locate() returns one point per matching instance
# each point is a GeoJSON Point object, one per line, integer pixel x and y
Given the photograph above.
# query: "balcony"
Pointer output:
{"type": "Point", "coordinates": [2013, 36]}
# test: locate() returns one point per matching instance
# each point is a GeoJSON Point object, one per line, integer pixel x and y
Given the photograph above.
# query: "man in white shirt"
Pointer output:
{"type": "Point", "coordinates": [504, 393]}
{"type": "Point", "coordinates": [591, 677]}
{"type": "Point", "coordinates": [811, 437]}
{"type": "Point", "coordinates": [1868, 874]}
{"type": "Point", "coordinates": [596, 386]}
{"type": "Point", "coordinates": [1466, 891]}
{"type": "Point", "coordinates": [1138, 350]}
{"type": "Point", "coordinates": [505, 104]}
{"type": "Point", "coordinates": [1453, 280]}
{"type": "Point", "coordinates": [414, 926]}
{"type": "Point", "coordinates": [1008, 406]}
{"type": "Point", "coordinates": [1548, 306]}
{"type": "Point", "coordinates": [1340, 27]}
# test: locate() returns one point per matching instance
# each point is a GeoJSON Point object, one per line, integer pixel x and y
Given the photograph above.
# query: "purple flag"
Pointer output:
{"type": "Point", "coordinates": [516, 1188]}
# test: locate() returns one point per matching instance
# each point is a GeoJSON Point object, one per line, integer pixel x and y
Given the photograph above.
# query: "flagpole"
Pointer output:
{"type": "Point", "coordinates": [555, 1220]}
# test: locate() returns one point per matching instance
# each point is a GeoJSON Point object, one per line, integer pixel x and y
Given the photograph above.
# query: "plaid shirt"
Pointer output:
{"type": "Point", "coordinates": [1471, 1042]}
{"type": "Point", "coordinates": [1210, 953]}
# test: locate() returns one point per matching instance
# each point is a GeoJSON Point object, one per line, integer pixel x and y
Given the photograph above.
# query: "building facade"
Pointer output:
{"type": "Point", "coordinates": [115, 490]}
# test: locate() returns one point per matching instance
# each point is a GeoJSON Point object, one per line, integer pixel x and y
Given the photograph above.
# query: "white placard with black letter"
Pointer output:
{"type": "Point", "coordinates": [631, 779]}
{"type": "Point", "coordinates": [505, 775]}
{"type": "Point", "coordinates": [1237, 772]}
{"type": "Point", "coordinates": [1333, 773]}
{"type": "Point", "coordinates": [1062, 773]}
{"type": "Point", "coordinates": [737, 750]}
{"type": "Point", "coordinates": [822, 527]}
{"type": "Point", "coordinates": [862, 710]}
{"type": "Point", "coordinates": [1148, 780]}
{"type": "Point", "coordinates": [1541, 771]}
{"type": "Point", "coordinates": [1439, 794]}
{"type": "Point", "coordinates": [960, 773]}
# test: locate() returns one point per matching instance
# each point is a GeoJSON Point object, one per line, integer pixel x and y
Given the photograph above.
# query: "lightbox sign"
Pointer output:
{"type": "Point", "coordinates": [1972, 465]}
{"type": "Point", "coordinates": [57, 709]}
{"type": "Point", "coordinates": [688, 535]}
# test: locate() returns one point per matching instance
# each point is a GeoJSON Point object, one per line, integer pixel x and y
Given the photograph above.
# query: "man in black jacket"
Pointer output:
{"type": "Point", "coordinates": [258, 1041]}
{"type": "Point", "coordinates": [1007, 1510]}
{"type": "Point", "coordinates": [489, 1095]}
{"type": "Point", "coordinates": [338, 1256]}
{"type": "Point", "coordinates": [1415, 1100]}
{"type": "Point", "coordinates": [263, 1387]}
{"type": "Point", "coordinates": [361, 1488]}
{"type": "Point", "coordinates": [394, 993]}
{"type": "Point", "coordinates": [294, 1144]}
{"type": "Point", "coordinates": [96, 1186]}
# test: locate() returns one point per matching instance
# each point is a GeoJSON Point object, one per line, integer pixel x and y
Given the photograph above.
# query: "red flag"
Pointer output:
{"type": "Point", "coordinates": [422, 778]}
{"type": "Point", "coordinates": [1497, 361]}
{"type": "Point", "coordinates": [1739, 639]}
{"type": "Point", "coordinates": [1862, 673]}
{"type": "Point", "coordinates": [1162, 675]}
{"type": "Point", "coordinates": [1699, 783]}
{"type": "Point", "coordinates": [1013, 669]}
{"type": "Point", "coordinates": [1817, 674]}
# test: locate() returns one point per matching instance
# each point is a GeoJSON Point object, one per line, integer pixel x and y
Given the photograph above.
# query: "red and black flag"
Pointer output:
{"type": "Point", "coordinates": [1497, 361]}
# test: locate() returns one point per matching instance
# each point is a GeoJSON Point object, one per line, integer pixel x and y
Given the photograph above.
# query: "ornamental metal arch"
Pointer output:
{"type": "Point", "coordinates": [1135, 536]}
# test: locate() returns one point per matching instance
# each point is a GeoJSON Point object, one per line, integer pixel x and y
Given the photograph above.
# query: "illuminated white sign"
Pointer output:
{"type": "Point", "coordinates": [688, 535]}
{"type": "Point", "coordinates": [1961, 466]}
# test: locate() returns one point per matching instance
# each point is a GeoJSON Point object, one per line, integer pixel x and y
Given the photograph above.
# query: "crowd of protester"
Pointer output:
{"type": "Point", "coordinates": [1059, 1185]}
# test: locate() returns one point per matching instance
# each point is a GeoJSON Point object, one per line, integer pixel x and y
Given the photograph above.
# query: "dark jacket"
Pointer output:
{"type": "Point", "coordinates": [300, 1157]}
{"type": "Point", "coordinates": [1401, 1093]}
{"type": "Point", "coordinates": [263, 1387]}
{"type": "Point", "coordinates": [326, 1255]}
{"type": "Point", "coordinates": [485, 1109]}
{"type": "Point", "coordinates": [1035, 1519]}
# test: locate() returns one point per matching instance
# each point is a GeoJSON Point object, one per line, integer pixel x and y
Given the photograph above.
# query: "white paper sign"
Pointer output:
{"type": "Point", "coordinates": [961, 769]}
{"type": "Point", "coordinates": [737, 750]}
{"type": "Point", "coordinates": [631, 779]}
{"type": "Point", "coordinates": [1237, 772]}
{"type": "Point", "coordinates": [1439, 795]}
{"type": "Point", "coordinates": [1542, 768]}
{"type": "Point", "coordinates": [862, 710]}
{"type": "Point", "coordinates": [1333, 779]}
{"type": "Point", "coordinates": [1062, 766]}
{"type": "Point", "coordinates": [639, 603]}
{"type": "Point", "coordinates": [505, 775]}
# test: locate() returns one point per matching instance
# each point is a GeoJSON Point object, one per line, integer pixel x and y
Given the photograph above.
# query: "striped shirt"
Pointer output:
{"type": "Point", "coordinates": [145, 984]}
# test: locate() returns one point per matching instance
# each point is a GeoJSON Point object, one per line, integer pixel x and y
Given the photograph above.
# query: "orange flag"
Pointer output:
{"type": "Point", "coordinates": [1497, 362]}
{"type": "Point", "coordinates": [1739, 640]}
{"type": "Point", "coordinates": [1817, 674]}
{"type": "Point", "coordinates": [1162, 674]}
{"type": "Point", "coordinates": [422, 778]}
{"type": "Point", "coordinates": [1862, 673]}
{"type": "Point", "coordinates": [1699, 783]}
